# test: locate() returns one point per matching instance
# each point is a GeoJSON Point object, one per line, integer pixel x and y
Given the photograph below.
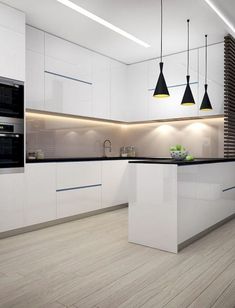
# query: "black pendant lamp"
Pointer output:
{"type": "Point", "coordinates": [188, 99]}
{"type": "Point", "coordinates": [161, 90]}
{"type": "Point", "coordinates": [206, 104]}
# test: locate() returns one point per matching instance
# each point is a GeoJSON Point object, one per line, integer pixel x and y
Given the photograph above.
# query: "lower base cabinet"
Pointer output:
{"type": "Point", "coordinates": [114, 183]}
{"type": "Point", "coordinates": [12, 201]}
{"type": "Point", "coordinates": [40, 205]}
{"type": "Point", "coordinates": [78, 201]}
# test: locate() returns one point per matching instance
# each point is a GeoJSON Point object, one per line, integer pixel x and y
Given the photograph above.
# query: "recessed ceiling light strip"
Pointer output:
{"type": "Point", "coordinates": [220, 14]}
{"type": "Point", "coordinates": [103, 22]}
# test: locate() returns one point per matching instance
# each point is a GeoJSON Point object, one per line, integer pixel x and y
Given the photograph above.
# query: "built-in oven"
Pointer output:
{"type": "Point", "coordinates": [11, 98]}
{"type": "Point", "coordinates": [12, 146]}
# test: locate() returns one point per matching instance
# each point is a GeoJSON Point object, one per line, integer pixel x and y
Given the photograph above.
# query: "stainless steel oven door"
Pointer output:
{"type": "Point", "coordinates": [11, 148]}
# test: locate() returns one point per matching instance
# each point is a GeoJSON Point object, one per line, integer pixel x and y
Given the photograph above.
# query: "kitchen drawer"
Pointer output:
{"type": "Point", "coordinates": [78, 201]}
{"type": "Point", "coordinates": [77, 174]}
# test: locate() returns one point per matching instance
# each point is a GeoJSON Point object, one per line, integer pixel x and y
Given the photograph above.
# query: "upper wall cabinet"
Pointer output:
{"type": "Point", "coordinates": [100, 86]}
{"type": "Point", "coordinates": [67, 59]}
{"type": "Point", "coordinates": [118, 91]}
{"type": "Point", "coordinates": [35, 68]}
{"type": "Point", "coordinates": [137, 94]}
{"type": "Point", "coordinates": [215, 78]}
{"type": "Point", "coordinates": [12, 36]}
{"type": "Point", "coordinates": [175, 70]}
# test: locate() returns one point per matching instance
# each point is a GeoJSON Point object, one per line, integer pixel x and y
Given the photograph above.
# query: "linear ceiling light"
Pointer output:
{"type": "Point", "coordinates": [103, 22]}
{"type": "Point", "coordinates": [220, 14]}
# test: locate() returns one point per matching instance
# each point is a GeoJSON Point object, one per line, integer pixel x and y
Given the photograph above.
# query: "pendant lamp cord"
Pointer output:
{"type": "Point", "coordinates": [205, 59]}
{"type": "Point", "coordinates": [161, 26]}
{"type": "Point", "coordinates": [188, 50]}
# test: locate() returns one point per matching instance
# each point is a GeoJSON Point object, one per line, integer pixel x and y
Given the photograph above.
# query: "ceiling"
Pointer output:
{"type": "Point", "coordinates": [140, 18]}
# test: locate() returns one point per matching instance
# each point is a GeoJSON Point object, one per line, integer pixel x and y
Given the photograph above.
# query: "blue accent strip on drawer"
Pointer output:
{"type": "Point", "coordinates": [79, 187]}
{"type": "Point", "coordinates": [67, 77]}
{"type": "Point", "coordinates": [227, 189]}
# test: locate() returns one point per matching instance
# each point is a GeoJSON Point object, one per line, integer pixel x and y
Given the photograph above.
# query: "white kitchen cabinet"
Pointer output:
{"type": "Point", "coordinates": [114, 183]}
{"type": "Point", "coordinates": [12, 201]}
{"type": "Point", "coordinates": [12, 36]}
{"type": "Point", "coordinates": [34, 87]}
{"type": "Point", "coordinates": [78, 201]}
{"type": "Point", "coordinates": [40, 205]}
{"type": "Point", "coordinates": [78, 174]}
{"type": "Point", "coordinates": [78, 188]}
{"type": "Point", "coordinates": [137, 92]}
{"type": "Point", "coordinates": [65, 95]}
{"type": "Point", "coordinates": [118, 91]}
{"type": "Point", "coordinates": [215, 78]}
{"type": "Point", "coordinates": [101, 86]}
{"type": "Point", "coordinates": [67, 59]}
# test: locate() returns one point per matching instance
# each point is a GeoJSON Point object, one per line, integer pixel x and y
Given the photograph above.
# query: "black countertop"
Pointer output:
{"type": "Point", "coordinates": [77, 159]}
{"type": "Point", "coordinates": [134, 160]}
{"type": "Point", "coordinates": [184, 162]}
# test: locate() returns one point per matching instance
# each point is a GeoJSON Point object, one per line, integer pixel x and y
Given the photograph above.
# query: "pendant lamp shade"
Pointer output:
{"type": "Point", "coordinates": [161, 90]}
{"type": "Point", "coordinates": [206, 104]}
{"type": "Point", "coordinates": [188, 99]}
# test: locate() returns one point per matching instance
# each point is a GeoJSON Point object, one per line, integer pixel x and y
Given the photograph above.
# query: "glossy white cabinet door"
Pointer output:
{"type": "Point", "coordinates": [35, 40]}
{"type": "Point", "coordinates": [34, 86]}
{"type": "Point", "coordinates": [12, 191]}
{"type": "Point", "coordinates": [12, 54]}
{"type": "Point", "coordinates": [68, 59]}
{"type": "Point", "coordinates": [40, 203]}
{"type": "Point", "coordinates": [215, 78]}
{"type": "Point", "coordinates": [101, 86]}
{"type": "Point", "coordinates": [12, 19]}
{"type": "Point", "coordinates": [118, 91]}
{"type": "Point", "coordinates": [73, 202]}
{"type": "Point", "coordinates": [77, 174]}
{"type": "Point", "coordinates": [12, 36]}
{"type": "Point", "coordinates": [114, 183]}
{"type": "Point", "coordinates": [67, 96]}
{"type": "Point", "coordinates": [137, 94]}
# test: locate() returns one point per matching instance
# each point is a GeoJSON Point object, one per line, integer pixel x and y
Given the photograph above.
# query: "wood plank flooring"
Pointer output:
{"type": "Point", "coordinates": [89, 263]}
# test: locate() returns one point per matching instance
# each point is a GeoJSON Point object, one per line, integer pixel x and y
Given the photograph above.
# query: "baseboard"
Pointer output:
{"type": "Point", "coordinates": [204, 232]}
{"type": "Point", "coordinates": [59, 221]}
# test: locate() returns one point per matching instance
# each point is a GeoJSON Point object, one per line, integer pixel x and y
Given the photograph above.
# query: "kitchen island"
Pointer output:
{"type": "Point", "coordinates": [173, 203]}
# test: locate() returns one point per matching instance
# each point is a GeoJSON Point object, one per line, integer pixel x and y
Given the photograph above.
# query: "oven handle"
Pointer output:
{"type": "Point", "coordinates": [10, 135]}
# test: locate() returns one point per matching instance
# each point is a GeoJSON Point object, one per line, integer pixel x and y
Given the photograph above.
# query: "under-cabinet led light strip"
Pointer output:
{"type": "Point", "coordinates": [103, 22]}
{"type": "Point", "coordinates": [220, 14]}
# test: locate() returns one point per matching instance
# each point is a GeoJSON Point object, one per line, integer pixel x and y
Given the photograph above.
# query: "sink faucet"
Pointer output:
{"type": "Point", "coordinates": [107, 146]}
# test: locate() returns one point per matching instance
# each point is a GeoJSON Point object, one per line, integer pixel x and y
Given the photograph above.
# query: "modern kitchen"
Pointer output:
{"type": "Point", "coordinates": [117, 153]}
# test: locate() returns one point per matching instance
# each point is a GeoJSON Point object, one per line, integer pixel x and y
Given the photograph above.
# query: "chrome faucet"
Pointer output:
{"type": "Point", "coordinates": [107, 146]}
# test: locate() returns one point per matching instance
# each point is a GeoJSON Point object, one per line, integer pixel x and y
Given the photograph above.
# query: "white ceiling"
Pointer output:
{"type": "Point", "coordinates": [141, 18]}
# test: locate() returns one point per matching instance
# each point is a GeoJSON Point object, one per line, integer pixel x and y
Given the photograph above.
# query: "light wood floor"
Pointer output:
{"type": "Point", "coordinates": [89, 263]}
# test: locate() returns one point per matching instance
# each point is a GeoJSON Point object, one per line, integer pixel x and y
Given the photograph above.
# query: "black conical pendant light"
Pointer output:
{"type": "Point", "coordinates": [161, 90]}
{"type": "Point", "coordinates": [206, 104]}
{"type": "Point", "coordinates": [188, 99]}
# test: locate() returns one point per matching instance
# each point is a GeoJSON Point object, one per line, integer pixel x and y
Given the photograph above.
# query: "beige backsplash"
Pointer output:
{"type": "Point", "coordinates": [68, 137]}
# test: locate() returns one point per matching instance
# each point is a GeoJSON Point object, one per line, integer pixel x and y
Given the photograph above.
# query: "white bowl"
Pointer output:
{"type": "Point", "coordinates": [179, 155]}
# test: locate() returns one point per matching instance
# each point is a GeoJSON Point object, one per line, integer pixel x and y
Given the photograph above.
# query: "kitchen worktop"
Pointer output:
{"type": "Point", "coordinates": [77, 159]}
{"type": "Point", "coordinates": [184, 162]}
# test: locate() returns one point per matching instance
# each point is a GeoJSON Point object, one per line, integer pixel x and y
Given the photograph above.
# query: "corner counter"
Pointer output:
{"type": "Point", "coordinates": [173, 203]}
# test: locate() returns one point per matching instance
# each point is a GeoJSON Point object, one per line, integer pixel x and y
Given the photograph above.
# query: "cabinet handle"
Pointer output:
{"type": "Point", "coordinates": [79, 187]}
{"type": "Point", "coordinates": [230, 188]}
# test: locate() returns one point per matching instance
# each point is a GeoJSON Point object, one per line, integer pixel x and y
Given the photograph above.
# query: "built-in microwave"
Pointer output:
{"type": "Point", "coordinates": [12, 147]}
{"type": "Point", "coordinates": [11, 98]}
